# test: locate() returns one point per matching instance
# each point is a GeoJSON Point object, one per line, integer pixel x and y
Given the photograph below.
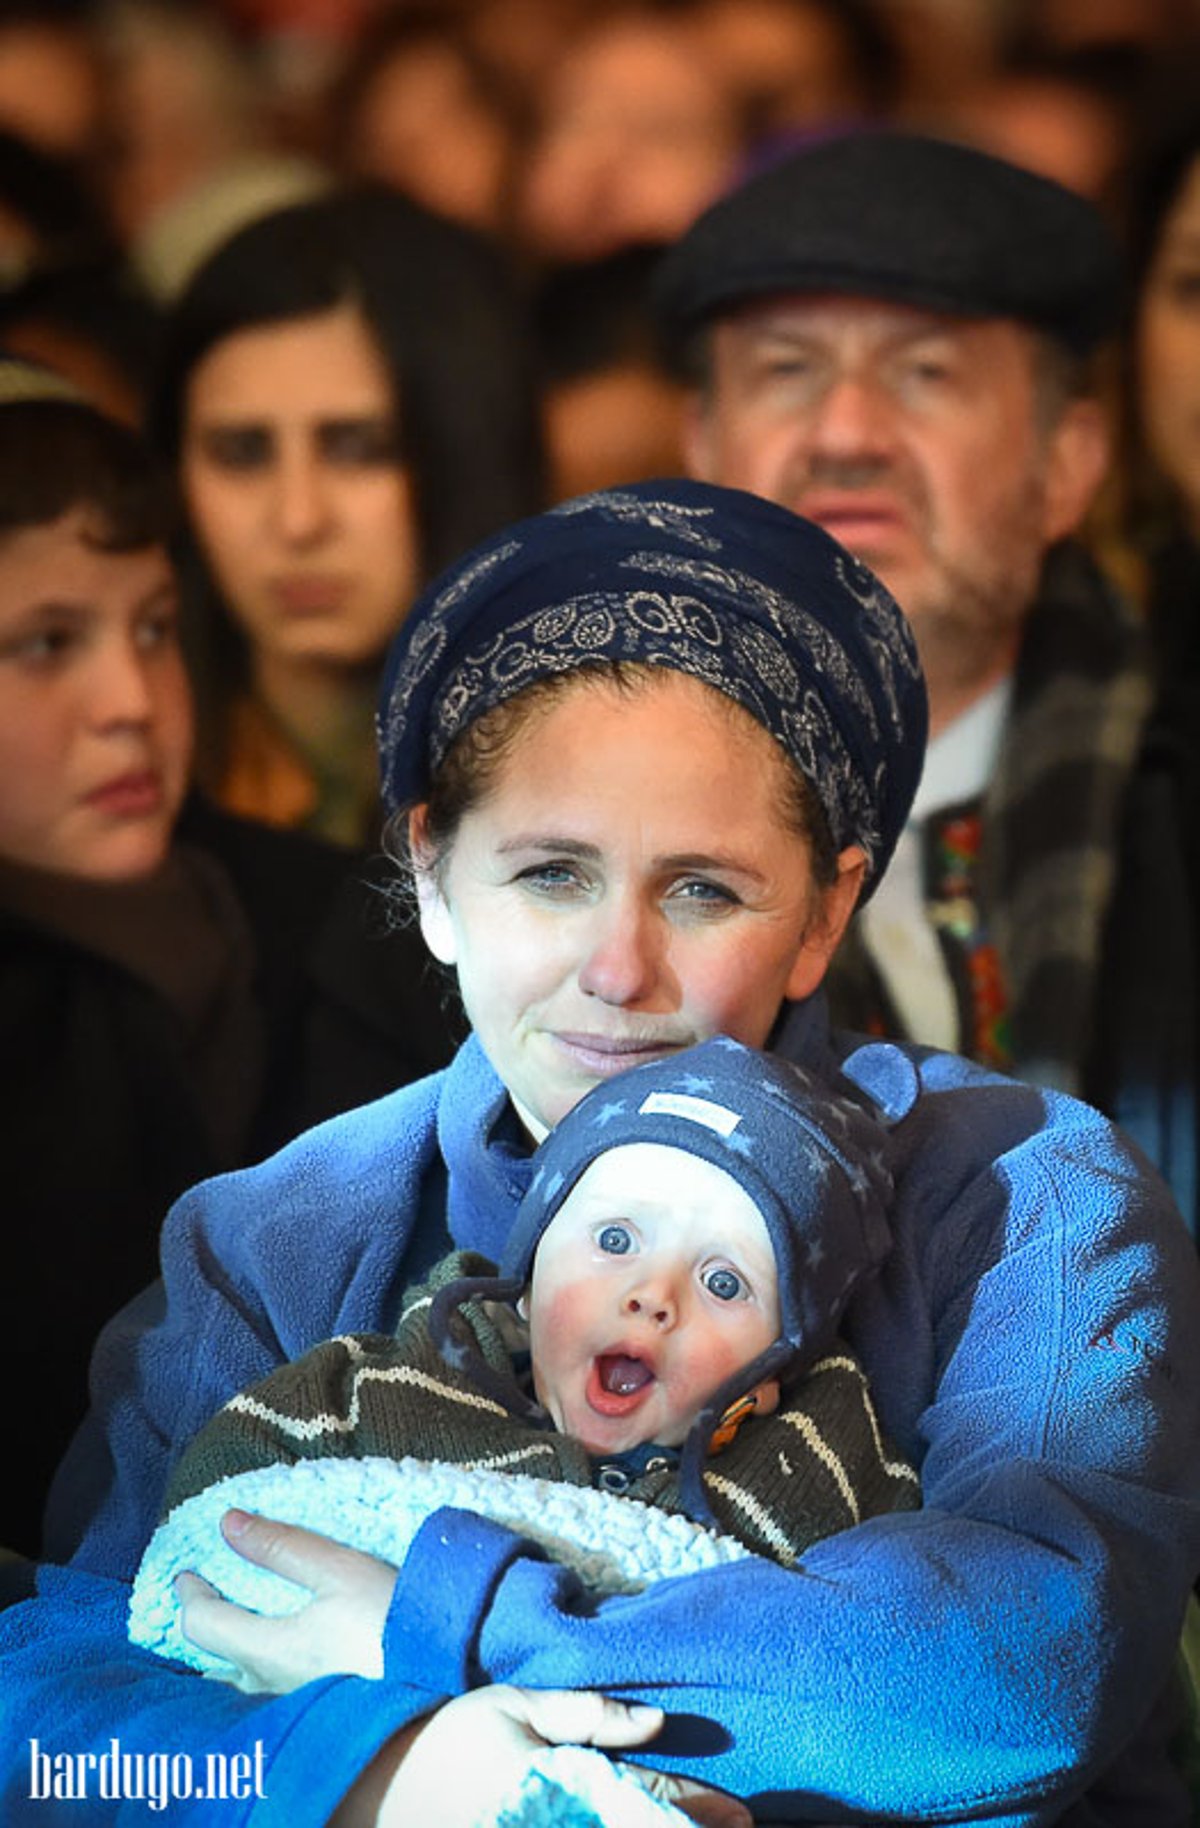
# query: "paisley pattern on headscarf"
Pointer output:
{"type": "Point", "coordinates": [715, 583]}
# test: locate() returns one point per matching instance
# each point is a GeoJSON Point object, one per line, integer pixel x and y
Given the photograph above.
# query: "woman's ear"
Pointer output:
{"type": "Point", "coordinates": [433, 910]}
{"type": "Point", "coordinates": [829, 920]}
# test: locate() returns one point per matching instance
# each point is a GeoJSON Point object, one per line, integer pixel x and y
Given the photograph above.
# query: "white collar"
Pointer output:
{"type": "Point", "coordinates": [961, 760]}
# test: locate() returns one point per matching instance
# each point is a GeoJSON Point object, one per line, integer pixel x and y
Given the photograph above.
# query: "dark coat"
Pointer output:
{"type": "Point", "coordinates": [102, 1125]}
{"type": "Point", "coordinates": [1108, 962]}
{"type": "Point", "coordinates": [1146, 1069]}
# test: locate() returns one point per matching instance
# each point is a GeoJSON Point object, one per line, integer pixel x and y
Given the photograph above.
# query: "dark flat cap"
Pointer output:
{"type": "Point", "coordinates": [901, 216]}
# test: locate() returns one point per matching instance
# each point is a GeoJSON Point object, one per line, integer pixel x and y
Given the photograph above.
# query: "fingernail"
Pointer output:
{"type": "Point", "coordinates": [235, 1523]}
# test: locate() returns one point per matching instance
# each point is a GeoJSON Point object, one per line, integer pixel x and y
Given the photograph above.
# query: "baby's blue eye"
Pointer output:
{"type": "Point", "coordinates": [725, 1284]}
{"type": "Point", "coordinates": [614, 1239]}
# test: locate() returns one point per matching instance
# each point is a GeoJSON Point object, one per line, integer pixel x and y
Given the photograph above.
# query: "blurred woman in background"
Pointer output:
{"type": "Point", "coordinates": [1163, 222]}
{"type": "Point", "coordinates": [347, 398]}
{"type": "Point", "coordinates": [419, 108]}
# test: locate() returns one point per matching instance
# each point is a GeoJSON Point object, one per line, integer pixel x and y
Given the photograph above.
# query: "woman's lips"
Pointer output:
{"type": "Point", "coordinates": [129, 796]}
{"type": "Point", "coordinates": [605, 1056]}
{"type": "Point", "coordinates": [310, 596]}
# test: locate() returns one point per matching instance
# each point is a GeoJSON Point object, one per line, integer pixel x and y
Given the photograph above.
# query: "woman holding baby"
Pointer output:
{"type": "Point", "coordinates": [644, 755]}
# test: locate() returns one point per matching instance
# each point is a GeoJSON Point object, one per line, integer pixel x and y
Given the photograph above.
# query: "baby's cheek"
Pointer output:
{"type": "Point", "coordinates": [556, 1319]}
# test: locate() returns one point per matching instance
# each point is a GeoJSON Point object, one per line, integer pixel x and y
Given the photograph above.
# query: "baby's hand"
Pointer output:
{"type": "Point", "coordinates": [477, 1747]}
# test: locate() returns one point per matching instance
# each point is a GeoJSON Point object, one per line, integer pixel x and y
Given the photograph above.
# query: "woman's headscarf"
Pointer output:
{"type": "Point", "coordinates": [712, 582]}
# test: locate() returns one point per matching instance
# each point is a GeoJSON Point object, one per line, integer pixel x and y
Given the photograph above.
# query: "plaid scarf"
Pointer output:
{"type": "Point", "coordinates": [1019, 884]}
{"type": "Point", "coordinates": [818, 1465]}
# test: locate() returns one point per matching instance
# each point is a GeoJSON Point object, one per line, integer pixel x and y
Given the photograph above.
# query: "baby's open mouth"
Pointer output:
{"type": "Point", "coordinates": [617, 1383]}
{"type": "Point", "coordinates": [622, 1374]}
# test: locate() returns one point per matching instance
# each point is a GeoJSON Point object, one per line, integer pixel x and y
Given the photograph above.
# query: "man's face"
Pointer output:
{"type": "Point", "coordinates": [912, 437]}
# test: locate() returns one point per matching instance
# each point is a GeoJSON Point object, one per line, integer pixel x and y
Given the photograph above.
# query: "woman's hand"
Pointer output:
{"type": "Point", "coordinates": [339, 1632]}
{"type": "Point", "coordinates": [422, 1775]}
{"type": "Point", "coordinates": [472, 1753]}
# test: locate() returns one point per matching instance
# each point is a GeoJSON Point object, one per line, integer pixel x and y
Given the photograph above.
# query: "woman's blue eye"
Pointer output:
{"type": "Point", "coordinates": [614, 1239]}
{"type": "Point", "coordinates": [699, 886]}
{"type": "Point", "coordinates": [703, 899]}
{"type": "Point", "coordinates": [725, 1284]}
{"type": "Point", "coordinates": [553, 881]}
{"type": "Point", "coordinates": [551, 873]}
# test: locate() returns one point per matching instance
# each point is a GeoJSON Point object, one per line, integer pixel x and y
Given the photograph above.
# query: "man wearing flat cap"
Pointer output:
{"type": "Point", "coordinates": [890, 334]}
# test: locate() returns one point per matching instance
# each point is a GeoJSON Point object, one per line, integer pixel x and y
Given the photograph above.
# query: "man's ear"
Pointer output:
{"type": "Point", "coordinates": [827, 923]}
{"type": "Point", "coordinates": [433, 910]}
{"type": "Point", "coordinates": [1077, 463]}
{"type": "Point", "coordinates": [698, 436]}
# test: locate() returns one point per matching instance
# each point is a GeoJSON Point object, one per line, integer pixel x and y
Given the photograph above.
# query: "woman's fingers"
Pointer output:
{"type": "Point", "coordinates": [221, 1628]}
{"type": "Point", "coordinates": [339, 1631]}
{"type": "Point", "coordinates": [297, 1554]}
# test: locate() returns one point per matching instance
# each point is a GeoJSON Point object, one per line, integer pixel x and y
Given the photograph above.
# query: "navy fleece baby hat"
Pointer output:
{"type": "Point", "coordinates": [814, 1162]}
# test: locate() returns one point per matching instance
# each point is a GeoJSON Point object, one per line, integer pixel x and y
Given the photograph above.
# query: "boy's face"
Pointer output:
{"type": "Point", "coordinates": [95, 711]}
{"type": "Point", "coordinates": [653, 1284]}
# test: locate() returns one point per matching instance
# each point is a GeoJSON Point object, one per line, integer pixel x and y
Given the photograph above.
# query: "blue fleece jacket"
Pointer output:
{"type": "Point", "coordinates": [1033, 1345]}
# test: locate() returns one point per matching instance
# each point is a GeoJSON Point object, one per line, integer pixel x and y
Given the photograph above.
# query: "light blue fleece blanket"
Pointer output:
{"type": "Point", "coordinates": [615, 1544]}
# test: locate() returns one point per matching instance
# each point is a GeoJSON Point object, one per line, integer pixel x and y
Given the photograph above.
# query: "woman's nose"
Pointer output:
{"type": "Point", "coordinates": [622, 960]}
{"type": "Point", "coordinates": [301, 498]}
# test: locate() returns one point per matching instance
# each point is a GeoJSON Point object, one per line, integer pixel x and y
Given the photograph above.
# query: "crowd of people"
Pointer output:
{"type": "Point", "coordinates": [352, 363]}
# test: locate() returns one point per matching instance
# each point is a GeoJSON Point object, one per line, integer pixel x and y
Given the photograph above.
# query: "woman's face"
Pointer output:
{"type": "Point", "coordinates": [423, 126]}
{"type": "Point", "coordinates": [295, 489]}
{"type": "Point", "coordinates": [637, 136]}
{"type": "Point", "coordinates": [95, 713]}
{"type": "Point", "coordinates": [1168, 348]}
{"type": "Point", "coordinates": [628, 887]}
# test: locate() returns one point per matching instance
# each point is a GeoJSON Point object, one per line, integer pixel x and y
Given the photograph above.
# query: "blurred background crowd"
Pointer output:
{"type": "Point", "coordinates": [369, 280]}
{"type": "Point", "coordinates": [574, 141]}
{"type": "Point", "coordinates": [574, 137]}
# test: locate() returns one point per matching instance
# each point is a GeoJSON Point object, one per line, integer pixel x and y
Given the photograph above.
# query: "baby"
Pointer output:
{"type": "Point", "coordinates": [668, 1297]}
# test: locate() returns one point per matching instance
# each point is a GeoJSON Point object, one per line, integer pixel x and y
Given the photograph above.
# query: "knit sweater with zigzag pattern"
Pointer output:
{"type": "Point", "coordinates": [817, 1465]}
